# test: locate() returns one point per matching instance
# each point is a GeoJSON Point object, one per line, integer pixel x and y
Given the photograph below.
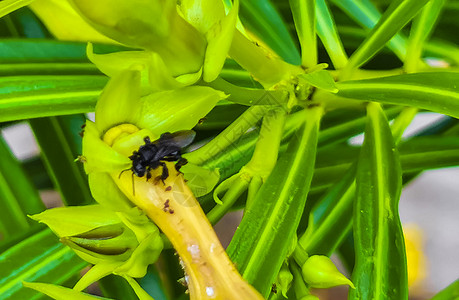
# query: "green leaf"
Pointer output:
{"type": "Point", "coordinates": [222, 115]}
{"type": "Point", "coordinates": [449, 293]}
{"type": "Point", "coordinates": [429, 152]}
{"type": "Point", "coordinates": [236, 75]}
{"type": "Point", "coordinates": [367, 15]}
{"type": "Point", "coordinates": [394, 19]}
{"type": "Point", "coordinates": [328, 34]}
{"type": "Point", "coordinates": [60, 292]}
{"type": "Point", "coordinates": [330, 219]}
{"type": "Point", "coordinates": [380, 271]}
{"type": "Point", "coordinates": [261, 18]}
{"type": "Point", "coordinates": [17, 194]}
{"type": "Point", "coordinates": [26, 97]}
{"type": "Point", "coordinates": [116, 287]}
{"type": "Point", "coordinates": [47, 51]}
{"type": "Point", "coordinates": [321, 79]}
{"type": "Point", "coordinates": [423, 25]}
{"type": "Point", "coordinates": [39, 257]}
{"type": "Point", "coordinates": [59, 151]}
{"type": "Point", "coordinates": [268, 226]}
{"type": "Point", "coordinates": [435, 91]}
{"type": "Point", "coordinates": [48, 69]}
{"type": "Point", "coordinates": [305, 23]}
{"type": "Point", "coordinates": [416, 154]}
{"type": "Point", "coordinates": [347, 128]}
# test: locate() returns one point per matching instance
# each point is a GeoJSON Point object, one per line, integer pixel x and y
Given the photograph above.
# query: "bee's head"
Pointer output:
{"type": "Point", "coordinates": [138, 169]}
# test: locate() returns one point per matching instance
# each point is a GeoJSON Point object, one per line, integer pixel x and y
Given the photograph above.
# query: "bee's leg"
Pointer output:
{"type": "Point", "coordinates": [147, 140]}
{"type": "Point", "coordinates": [165, 172]}
{"type": "Point", "coordinates": [133, 184]}
{"type": "Point", "coordinates": [148, 171]}
{"type": "Point", "coordinates": [180, 163]}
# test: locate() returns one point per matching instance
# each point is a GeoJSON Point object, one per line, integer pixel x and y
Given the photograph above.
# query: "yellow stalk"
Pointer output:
{"type": "Point", "coordinates": [172, 206]}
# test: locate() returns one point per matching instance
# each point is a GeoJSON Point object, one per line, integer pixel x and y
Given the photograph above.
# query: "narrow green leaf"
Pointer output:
{"type": "Point", "coordinates": [303, 12]}
{"type": "Point", "coordinates": [222, 115]}
{"type": "Point", "coordinates": [429, 152]}
{"type": "Point", "coordinates": [38, 258]}
{"type": "Point", "coordinates": [263, 238]}
{"type": "Point", "coordinates": [17, 194]}
{"type": "Point", "coordinates": [330, 219]}
{"type": "Point", "coordinates": [380, 271]}
{"type": "Point", "coordinates": [16, 69]}
{"type": "Point", "coordinates": [60, 146]}
{"type": "Point", "coordinates": [366, 14]}
{"type": "Point", "coordinates": [328, 34]}
{"type": "Point", "coordinates": [451, 292]}
{"type": "Point", "coordinates": [38, 96]}
{"type": "Point", "coordinates": [261, 17]}
{"type": "Point", "coordinates": [435, 91]}
{"type": "Point", "coordinates": [345, 129]}
{"type": "Point", "coordinates": [416, 154]}
{"type": "Point", "coordinates": [47, 51]}
{"type": "Point", "coordinates": [235, 74]}
{"type": "Point", "coordinates": [423, 25]}
{"type": "Point", "coordinates": [394, 19]}
{"type": "Point", "coordinates": [116, 287]}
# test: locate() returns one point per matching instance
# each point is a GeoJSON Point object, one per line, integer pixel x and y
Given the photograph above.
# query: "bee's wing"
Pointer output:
{"type": "Point", "coordinates": [182, 138]}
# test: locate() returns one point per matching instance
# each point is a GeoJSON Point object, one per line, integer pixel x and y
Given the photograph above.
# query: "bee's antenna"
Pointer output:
{"type": "Point", "coordinates": [119, 176]}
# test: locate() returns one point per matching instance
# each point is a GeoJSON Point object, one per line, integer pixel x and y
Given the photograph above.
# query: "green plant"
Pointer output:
{"type": "Point", "coordinates": [274, 124]}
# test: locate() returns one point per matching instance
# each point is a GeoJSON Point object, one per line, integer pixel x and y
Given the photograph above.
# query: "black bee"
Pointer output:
{"type": "Point", "coordinates": [151, 155]}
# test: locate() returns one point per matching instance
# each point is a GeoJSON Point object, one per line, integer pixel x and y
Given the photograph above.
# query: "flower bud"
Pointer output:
{"type": "Point", "coordinates": [284, 279]}
{"type": "Point", "coordinates": [320, 272]}
{"type": "Point", "coordinates": [110, 242]}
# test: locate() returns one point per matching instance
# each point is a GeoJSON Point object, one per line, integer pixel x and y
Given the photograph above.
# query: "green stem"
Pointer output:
{"type": "Point", "coordinates": [267, 148]}
{"type": "Point", "coordinates": [266, 151]}
{"type": "Point", "coordinates": [299, 286]}
{"type": "Point", "coordinates": [228, 136]}
{"type": "Point", "coordinates": [236, 190]}
{"type": "Point", "coordinates": [254, 186]}
{"type": "Point", "coordinates": [300, 255]}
